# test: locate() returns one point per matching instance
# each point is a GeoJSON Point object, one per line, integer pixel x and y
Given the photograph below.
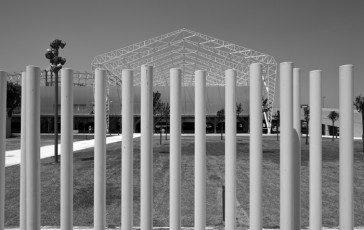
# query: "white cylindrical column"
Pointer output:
{"type": "Point", "coordinates": [3, 94]}
{"type": "Point", "coordinates": [33, 147]}
{"type": "Point", "coordinates": [127, 150]}
{"type": "Point", "coordinates": [146, 149]}
{"type": "Point", "coordinates": [200, 150]}
{"type": "Point", "coordinates": [297, 146]}
{"type": "Point", "coordinates": [67, 149]}
{"type": "Point", "coordinates": [100, 151]}
{"type": "Point", "coordinates": [315, 150]}
{"type": "Point", "coordinates": [256, 153]}
{"type": "Point", "coordinates": [346, 147]}
{"type": "Point", "coordinates": [23, 155]}
{"type": "Point", "coordinates": [175, 150]}
{"type": "Point", "coordinates": [286, 147]}
{"type": "Point", "coordinates": [230, 149]}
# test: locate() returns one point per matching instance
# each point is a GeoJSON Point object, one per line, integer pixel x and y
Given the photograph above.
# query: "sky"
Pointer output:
{"type": "Point", "coordinates": [313, 34]}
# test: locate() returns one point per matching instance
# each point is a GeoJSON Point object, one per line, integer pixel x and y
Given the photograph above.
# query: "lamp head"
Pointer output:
{"type": "Point", "coordinates": [49, 54]}
{"type": "Point", "coordinates": [56, 44]}
{"type": "Point", "coordinates": [58, 61]}
{"type": "Point", "coordinates": [63, 61]}
{"type": "Point", "coordinates": [62, 44]}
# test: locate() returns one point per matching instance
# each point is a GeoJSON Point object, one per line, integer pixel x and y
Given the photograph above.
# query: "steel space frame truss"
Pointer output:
{"type": "Point", "coordinates": [189, 51]}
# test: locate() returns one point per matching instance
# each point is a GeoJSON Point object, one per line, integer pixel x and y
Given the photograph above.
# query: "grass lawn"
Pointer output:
{"type": "Point", "coordinates": [83, 184]}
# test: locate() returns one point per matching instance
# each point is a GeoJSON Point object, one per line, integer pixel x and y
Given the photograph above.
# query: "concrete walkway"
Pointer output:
{"type": "Point", "coordinates": [12, 157]}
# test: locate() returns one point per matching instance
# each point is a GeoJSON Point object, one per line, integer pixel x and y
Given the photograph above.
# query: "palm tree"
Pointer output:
{"type": "Point", "coordinates": [165, 113]}
{"type": "Point", "coordinates": [333, 116]}
{"type": "Point", "coordinates": [307, 119]}
{"type": "Point", "coordinates": [239, 116]}
{"type": "Point", "coordinates": [220, 119]}
{"type": "Point", "coordinates": [359, 105]}
{"type": "Point", "coordinates": [277, 116]}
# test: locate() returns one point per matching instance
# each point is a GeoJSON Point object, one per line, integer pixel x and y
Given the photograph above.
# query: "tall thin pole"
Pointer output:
{"type": "Point", "coordinates": [200, 150]}
{"type": "Point", "coordinates": [346, 171]}
{"type": "Point", "coordinates": [256, 153]}
{"type": "Point", "coordinates": [3, 94]}
{"type": "Point", "coordinates": [315, 150]}
{"type": "Point", "coordinates": [146, 149]}
{"type": "Point", "coordinates": [286, 148]}
{"type": "Point", "coordinates": [33, 147]}
{"type": "Point", "coordinates": [67, 149]}
{"type": "Point", "coordinates": [100, 151]}
{"type": "Point", "coordinates": [127, 151]}
{"type": "Point", "coordinates": [175, 150]}
{"type": "Point", "coordinates": [23, 155]}
{"type": "Point", "coordinates": [56, 117]}
{"type": "Point", "coordinates": [297, 146]}
{"type": "Point", "coordinates": [230, 149]}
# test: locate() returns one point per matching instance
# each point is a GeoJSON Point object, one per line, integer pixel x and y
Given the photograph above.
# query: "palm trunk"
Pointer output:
{"type": "Point", "coordinates": [307, 134]}
{"type": "Point", "coordinates": [165, 130]}
{"type": "Point", "coordinates": [221, 131]}
{"type": "Point", "coordinates": [333, 130]}
{"type": "Point", "coordinates": [160, 135]}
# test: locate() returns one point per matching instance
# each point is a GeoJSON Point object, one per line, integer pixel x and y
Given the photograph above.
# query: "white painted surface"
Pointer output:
{"type": "Point", "coordinates": [32, 147]}
{"type": "Point", "coordinates": [100, 151]}
{"type": "Point", "coordinates": [146, 149]}
{"type": "Point", "coordinates": [175, 150]}
{"type": "Point", "coordinates": [200, 150]}
{"type": "Point", "coordinates": [286, 147]}
{"type": "Point", "coordinates": [346, 155]}
{"type": "Point", "coordinates": [127, 151]}
{"type": "Point", "coordinates": [297, 146]}
{"type": "Point", "coordinates": [315, 217]}
{"type": "Point", "coordinates": [66, 149]}
{"type": "Point", "coordinates": [230, 149]}
{"type": "Point", "coordinates": [255, 143]}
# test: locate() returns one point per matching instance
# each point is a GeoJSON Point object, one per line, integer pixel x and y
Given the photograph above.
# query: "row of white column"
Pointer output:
{"type": "Point", "coordinates": [289, 145]}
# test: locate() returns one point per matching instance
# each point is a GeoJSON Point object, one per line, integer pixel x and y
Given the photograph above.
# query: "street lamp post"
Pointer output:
{"type": "Point", "coordinates": [56, 64]}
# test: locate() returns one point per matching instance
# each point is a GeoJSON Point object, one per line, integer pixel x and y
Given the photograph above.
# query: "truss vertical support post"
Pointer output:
{"type": "Point", "coordinates": [100, 151]}
{"type": "Point", "coordinates": [286, 148]}
{"type": "Point", "coordinates": [230, 149]}
{"type": "Point", "coordinates": [256, 154]}
{"type": "Point", "coordinates": [297, 145]}
{"type": "Point", "coordinates": [346, 147]}
{"type": "Point", "coordinates": [33, 147]}
{"type": "Point", "coordinates": [23, 155]}
{"type": "Point", "coordinates": [200, 150]}
{"type": "Point", "coordinates": [67, 149]}
{"type": "Point", "coordinates": [127, 150]}
{"type": "Point", "coordinates": [175, 149]}
{"type": "Point", "coordinates": [146, 151]}
{"type": "Point", "coordinates": [315, 150]}
{"type": "Point", "coordinates": [3, 94]}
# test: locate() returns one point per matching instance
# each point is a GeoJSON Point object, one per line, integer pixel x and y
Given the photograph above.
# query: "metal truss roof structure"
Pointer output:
{"type": "Point", "coordinates": [189, 51]}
